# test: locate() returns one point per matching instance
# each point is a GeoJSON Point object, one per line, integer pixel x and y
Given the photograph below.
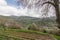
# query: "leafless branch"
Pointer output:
{"type": "Point", "coordinates": [49, 3]}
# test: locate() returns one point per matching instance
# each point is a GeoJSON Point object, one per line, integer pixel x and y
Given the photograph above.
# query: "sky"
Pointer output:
{"type": "Point", "coordinates": [10, 7]}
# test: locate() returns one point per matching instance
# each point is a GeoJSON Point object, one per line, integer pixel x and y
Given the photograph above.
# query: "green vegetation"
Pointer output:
{"type": "Point", "coordinates": [8, 34]}
{"type": "Point", "coordinates": [3, 37]}
{"type": "Point", "coordinates": [11, 27]}
{"type": "Point", "coordinates": [27, 31]}
{"type": "Point", "coordinates": [57, 37]}
{"type": "Point", "coordinates": [24, 21]}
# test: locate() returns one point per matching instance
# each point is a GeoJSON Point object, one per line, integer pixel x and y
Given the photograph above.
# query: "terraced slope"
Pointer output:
{"type": "Point", "coordinates": [21, 35]}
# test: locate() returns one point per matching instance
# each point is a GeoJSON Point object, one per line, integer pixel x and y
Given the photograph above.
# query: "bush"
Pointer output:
{"type": "Point", "coordinates": [58, 33]}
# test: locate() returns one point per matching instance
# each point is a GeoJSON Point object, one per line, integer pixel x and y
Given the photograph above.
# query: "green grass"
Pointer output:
{"type": "Point", "coordinates": [57, 37]}
{"type": "Point", "coordinates": [32, 31]}
{"type": "Point", "coordinates": [3, 36]}
{"type": "Point", "coordinates": [28, 31]}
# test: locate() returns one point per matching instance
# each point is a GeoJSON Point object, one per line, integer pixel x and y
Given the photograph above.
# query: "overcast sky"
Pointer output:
{"type": "Point", "coordinates": [10, 7]}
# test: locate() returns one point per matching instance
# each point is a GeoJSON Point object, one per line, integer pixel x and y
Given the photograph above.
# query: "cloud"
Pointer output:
{"type": "Point", "coordinates": [7, 10]}
{"type": "Point", "coordinates": [3, 3]}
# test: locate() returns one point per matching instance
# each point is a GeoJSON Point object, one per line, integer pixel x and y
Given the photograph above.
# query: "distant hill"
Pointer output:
{"type": "Point", "coordinates": [24, 21]}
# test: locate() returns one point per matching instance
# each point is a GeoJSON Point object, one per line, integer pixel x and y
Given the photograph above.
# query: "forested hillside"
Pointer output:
{"type": "Point", "coordinates": [24, 21]}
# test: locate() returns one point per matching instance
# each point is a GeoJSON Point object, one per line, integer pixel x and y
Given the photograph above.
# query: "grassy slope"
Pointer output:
{"type": "Point", "coordinates": [57, 37]}
{"type": "Point", "coordinates": [9, 34]}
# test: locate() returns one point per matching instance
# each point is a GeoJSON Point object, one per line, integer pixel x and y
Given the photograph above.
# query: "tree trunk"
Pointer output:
{"type": "Point", "coordinates": [56, 2]}
{"type": "Point", "coordinates": [56, 5]}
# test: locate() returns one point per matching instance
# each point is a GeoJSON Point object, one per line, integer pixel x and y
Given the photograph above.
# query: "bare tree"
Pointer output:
{"type": "Point", "coordinates": [56, 5]}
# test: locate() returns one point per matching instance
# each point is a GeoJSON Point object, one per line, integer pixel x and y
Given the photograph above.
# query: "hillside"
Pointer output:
{"type": "Point", "coordinates": [37, 28]}
{"type": "Point", "coordinates": [26, 20]}
{"type": "Point", "coordinates": [14, 34]}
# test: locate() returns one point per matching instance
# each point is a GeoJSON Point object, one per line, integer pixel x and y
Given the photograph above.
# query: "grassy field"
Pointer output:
{"type": "Point", "coordinates": [17, 34]}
